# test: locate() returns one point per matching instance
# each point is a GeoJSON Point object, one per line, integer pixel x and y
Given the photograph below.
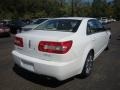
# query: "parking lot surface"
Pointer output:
{"type": "Point", "coordinates": [105, 75]}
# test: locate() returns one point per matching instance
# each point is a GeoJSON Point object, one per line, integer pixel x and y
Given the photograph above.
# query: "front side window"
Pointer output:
{"type": "Point", "coordinates": [67, 25]}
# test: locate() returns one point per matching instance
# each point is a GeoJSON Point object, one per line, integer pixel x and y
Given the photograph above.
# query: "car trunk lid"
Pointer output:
{"type": "Point", "coordinates": [32, 39]}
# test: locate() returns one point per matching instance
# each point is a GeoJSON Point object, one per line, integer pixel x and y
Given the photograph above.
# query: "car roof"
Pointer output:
{"type": "Point", "coordinates": [76, 18]}
{"type": "Point", "coordinates": [40, 18]}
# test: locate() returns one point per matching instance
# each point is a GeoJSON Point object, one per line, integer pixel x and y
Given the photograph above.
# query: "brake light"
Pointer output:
{"type": "Point", "coordinates": [55, 47]}
{"type": "Point", "coordinates": [18, 41]}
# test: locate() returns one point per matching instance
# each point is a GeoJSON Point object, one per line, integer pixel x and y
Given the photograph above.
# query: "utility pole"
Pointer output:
{"type": "Point", "coordinates": [72, 7]}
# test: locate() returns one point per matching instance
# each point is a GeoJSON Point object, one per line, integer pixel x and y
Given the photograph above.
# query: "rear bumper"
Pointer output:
{"type": "Point", "coordinates": [58, 70]}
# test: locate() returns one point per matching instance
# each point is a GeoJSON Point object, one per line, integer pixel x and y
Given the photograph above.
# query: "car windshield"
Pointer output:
{"type": "Point", "coordinates": [17, 22]}
{"type": "Point", "coordinates": [39, 21]}
{"type": "Point", "coordinates": [67, 25]}
{"type": "Point", "coordinates": [104, 18]}
{"type": "Point", "coordinates": [1, 25]}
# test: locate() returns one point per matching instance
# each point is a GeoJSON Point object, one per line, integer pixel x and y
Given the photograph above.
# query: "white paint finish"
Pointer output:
{"type": "Point", "coordinates": [61, 66]}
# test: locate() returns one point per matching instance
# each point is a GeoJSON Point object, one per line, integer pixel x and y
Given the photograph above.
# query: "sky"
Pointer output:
{"type": "Point", "coordinates": [88, 0]}
{"type": "Point", "coordinates": [92, 0]}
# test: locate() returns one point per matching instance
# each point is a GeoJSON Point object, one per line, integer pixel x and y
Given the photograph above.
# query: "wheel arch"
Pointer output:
{"type": "Point", "coordinates": [85, 54]}
{"type": "Point", "coordinates": [92, 51]}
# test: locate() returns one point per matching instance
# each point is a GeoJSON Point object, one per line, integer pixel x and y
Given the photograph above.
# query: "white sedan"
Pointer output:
{"type": "Point", "coordinates": [61, 47]}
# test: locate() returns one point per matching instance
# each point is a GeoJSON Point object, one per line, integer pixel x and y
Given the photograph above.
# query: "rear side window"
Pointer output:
{"type": "Point", "coordinates": [94, 26]}
{"type": "Point", "coordinates": [65, 25]}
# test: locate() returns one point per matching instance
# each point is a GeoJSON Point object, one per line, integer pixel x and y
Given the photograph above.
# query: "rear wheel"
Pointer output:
{"type": "Point", "coordinates": [107, 48]}
{"type": "Point", "coordinates": [88, 65]}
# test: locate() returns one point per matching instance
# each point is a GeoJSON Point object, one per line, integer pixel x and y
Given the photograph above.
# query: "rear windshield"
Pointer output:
{"type": "Point", "coordinates": [66, 25]}
{"type": "Point", "coordinates": [39, 21]}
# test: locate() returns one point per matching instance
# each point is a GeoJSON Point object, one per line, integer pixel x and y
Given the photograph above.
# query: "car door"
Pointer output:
{"type": "Point", "coordinates": [97, 35]}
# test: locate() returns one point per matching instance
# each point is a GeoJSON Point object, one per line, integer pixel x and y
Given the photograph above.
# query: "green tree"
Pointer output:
{"type": "Point", "coordinates": [117, 9]}
{"type": "Point", "coordinates": [99, 8]}
{"type": "Point", "coordinates": [56, 8]}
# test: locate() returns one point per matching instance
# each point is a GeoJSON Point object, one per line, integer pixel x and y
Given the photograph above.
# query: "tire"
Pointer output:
{"type": "Point", "coordinates": [88, 65]}
{"type": "Point", "coordinates": [108, 46]}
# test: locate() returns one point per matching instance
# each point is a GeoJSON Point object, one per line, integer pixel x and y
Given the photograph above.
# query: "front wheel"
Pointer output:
{"type": "Point", "coordinates": [88, 65]}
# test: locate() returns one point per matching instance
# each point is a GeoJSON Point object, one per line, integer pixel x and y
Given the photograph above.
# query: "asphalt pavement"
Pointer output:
{"type": "Point", "coordinates": [105, 75]}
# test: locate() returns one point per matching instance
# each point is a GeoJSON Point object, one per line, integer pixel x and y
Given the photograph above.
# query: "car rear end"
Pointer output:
{"type": "Point", "coordinates": [50, 53]}
{"type": "Point", "coordinates": [4, 30]}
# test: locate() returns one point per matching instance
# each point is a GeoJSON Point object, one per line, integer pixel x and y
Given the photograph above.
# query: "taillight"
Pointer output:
{"type": "Point", "coordinates": [18, 41]}
{"type": "Point", "coordinates": [55, 47]}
